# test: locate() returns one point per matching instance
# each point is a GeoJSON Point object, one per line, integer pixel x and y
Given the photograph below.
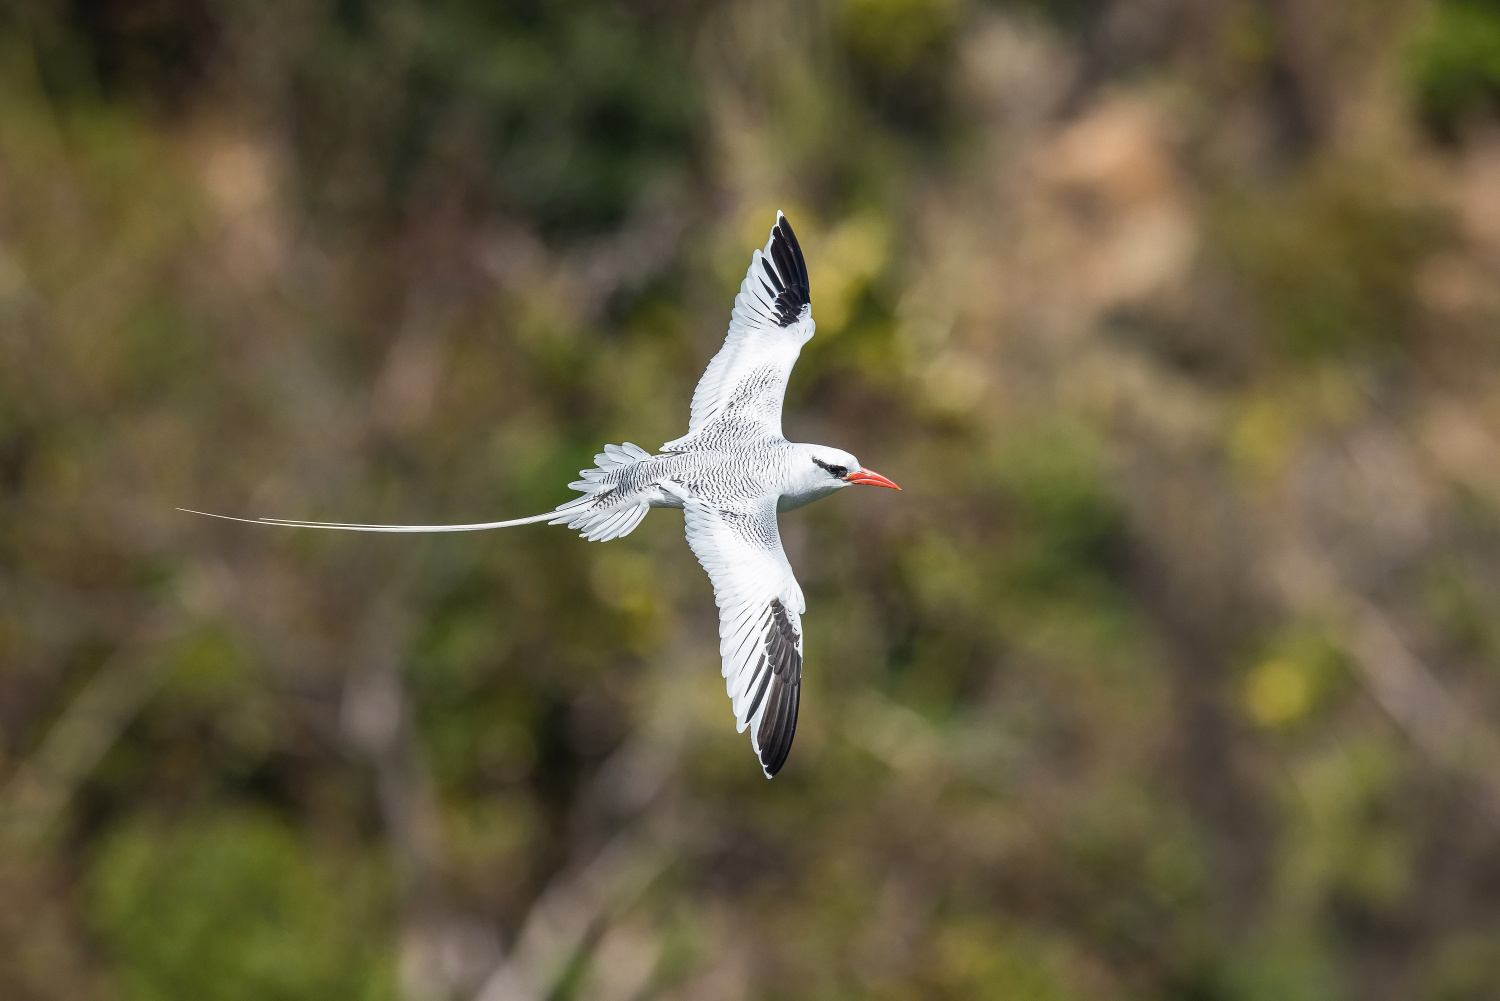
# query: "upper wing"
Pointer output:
{"type": "Point", "coordinates": [760, 619]}
{"type": "Point", "coordinates": [772, 319]}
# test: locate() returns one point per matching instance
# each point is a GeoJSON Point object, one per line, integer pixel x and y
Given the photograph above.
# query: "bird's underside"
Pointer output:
{"type": "Point", "coordinates": [729, 474]}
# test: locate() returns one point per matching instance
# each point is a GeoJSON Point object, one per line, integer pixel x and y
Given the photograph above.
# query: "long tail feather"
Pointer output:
{"type": "Point", "coordinates": [340, 526]}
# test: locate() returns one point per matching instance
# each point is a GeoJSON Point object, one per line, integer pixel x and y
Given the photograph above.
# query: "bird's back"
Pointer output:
{"type": "Point", "coordinates": [731, 472]}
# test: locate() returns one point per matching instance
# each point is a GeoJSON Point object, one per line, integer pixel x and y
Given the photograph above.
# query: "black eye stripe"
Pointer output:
{"type": "Point", "coordinates": [839, 471]}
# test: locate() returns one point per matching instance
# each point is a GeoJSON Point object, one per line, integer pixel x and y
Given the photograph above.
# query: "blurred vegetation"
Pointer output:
{"type": "Point", "coordinates": [233, 908]}
{"type": "Point", "coordinates": [1172, 673]}
{"type": "Point", "coordinates": [1455, 62]}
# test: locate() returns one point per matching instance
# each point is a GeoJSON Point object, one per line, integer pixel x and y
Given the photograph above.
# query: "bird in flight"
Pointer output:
{"type": "Point", "coordinates": [729, 474]}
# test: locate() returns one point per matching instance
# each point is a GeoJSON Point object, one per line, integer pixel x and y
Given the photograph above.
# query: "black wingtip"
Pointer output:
{"type": "Point", "coordinates": [778, 724]}
{"type": "Point", "coordinates": [786, 259]}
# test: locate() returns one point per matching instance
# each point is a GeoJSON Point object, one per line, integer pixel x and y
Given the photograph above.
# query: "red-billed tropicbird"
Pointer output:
{"type": "Point", "coordinates": [730, 474]}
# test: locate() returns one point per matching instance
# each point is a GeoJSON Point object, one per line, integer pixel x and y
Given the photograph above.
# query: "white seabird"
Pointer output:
{"type": "Point", "coordinates": [730, 474]}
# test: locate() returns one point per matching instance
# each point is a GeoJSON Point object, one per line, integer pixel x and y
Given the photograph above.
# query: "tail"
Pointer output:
{"type": "Point", "coordinates": [600, 513]}
{"type": "Point", "coordinates": [288, 523]}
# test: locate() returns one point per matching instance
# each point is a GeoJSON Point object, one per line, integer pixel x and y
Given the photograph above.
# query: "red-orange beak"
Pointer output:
{"type": "Point", "coordinates": [871, 477]}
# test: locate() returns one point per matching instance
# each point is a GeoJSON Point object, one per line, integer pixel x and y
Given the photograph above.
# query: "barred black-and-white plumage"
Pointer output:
{"type": "Point", "coordinates": [730, 474]}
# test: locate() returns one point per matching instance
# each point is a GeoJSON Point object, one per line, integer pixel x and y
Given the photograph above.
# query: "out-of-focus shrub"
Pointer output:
{"type": "Point", "coordinates": [236, 907]}
{"type": "Point", "coordinates": [1330, 261]}
{"type": "Point", "coordinates": [903, 52]}
{"type": "Point", "coordinates": [1454, 62]}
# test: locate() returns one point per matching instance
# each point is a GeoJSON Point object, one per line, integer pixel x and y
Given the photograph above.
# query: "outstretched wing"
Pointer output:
{"type": "Point", "coordinates": [743, 388]}
{"type": "Point", "coordinates": [760, 619]}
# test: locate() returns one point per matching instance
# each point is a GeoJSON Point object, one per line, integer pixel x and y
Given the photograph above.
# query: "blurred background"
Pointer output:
{"type": "Point", "coordinates": [1174, 672]}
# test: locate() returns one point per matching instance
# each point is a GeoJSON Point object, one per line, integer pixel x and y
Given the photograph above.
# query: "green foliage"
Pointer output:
{"type": "Point", "coordinates": [235, 906]}
{"type": "Point", "coordinates": [1453, 62]}
{"type": "Point", "coordinates": [898, 35]}
{"type": "Point", "coordinates": [1069, 523]}
{"type": "Point", "coordinates": [1467, 969]}
{"type": "Point", "coordinates": [902, 51]}
{"type": "Point", "coordinates": [1330, 260]}
{"type": "Point", "coordinates": [972, 958]}
{"type": "Point", "coordinates": [565, 114]}
{"type": "Point", "coordinates": [1300, 672]}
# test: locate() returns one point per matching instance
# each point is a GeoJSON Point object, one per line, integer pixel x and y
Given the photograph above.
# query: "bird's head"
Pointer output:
{"type": "Point", "coordinates": [843, 470]}
{"type": "Point", "coordinates": [829, 469]}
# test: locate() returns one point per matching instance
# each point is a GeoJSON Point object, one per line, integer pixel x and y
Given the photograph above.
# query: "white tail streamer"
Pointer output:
{"type": "Point", "coordinates": [598, 519]}
{"type": "Point", "coordinates": [340, 526]}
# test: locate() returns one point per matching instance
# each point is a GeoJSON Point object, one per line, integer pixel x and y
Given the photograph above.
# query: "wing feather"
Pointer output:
{"type": "Point", "coordinates": [760, 620]}
{"type": "Point", "coordinates": [772, 319]}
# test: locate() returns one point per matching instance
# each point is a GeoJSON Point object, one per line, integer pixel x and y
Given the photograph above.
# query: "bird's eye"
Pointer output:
{"type": "Point", "coordinates": [838, 471]}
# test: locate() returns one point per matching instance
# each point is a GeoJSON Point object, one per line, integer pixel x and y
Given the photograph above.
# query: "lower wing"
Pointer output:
{"type": "Point", "coordinates": [760, 620]}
